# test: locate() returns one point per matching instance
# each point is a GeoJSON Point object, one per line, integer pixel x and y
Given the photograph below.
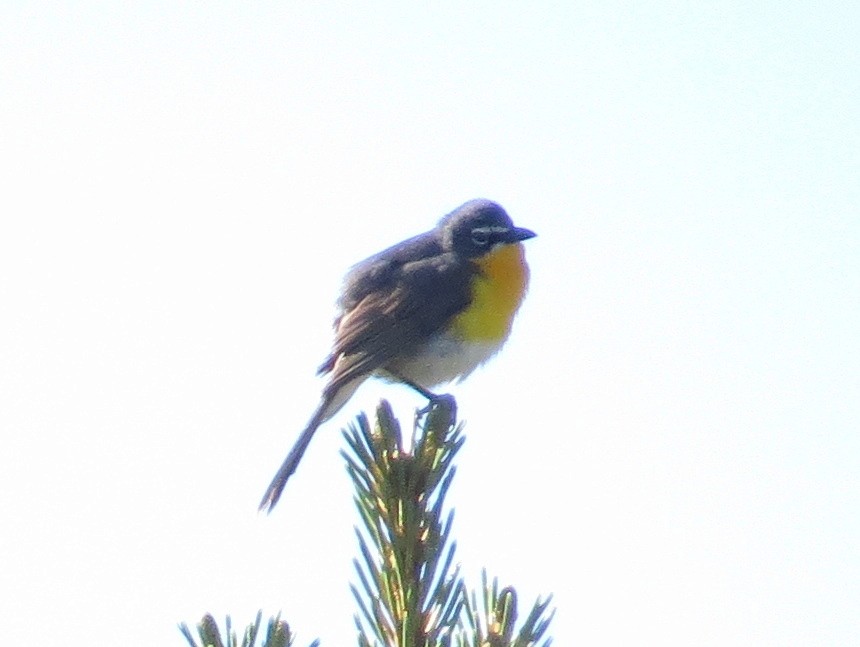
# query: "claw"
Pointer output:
{"type": "Point", "coordinates": [443, 403]}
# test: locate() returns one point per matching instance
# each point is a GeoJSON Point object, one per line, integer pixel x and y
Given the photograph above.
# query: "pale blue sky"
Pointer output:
{"type": "Point", "coordinates": [669, 443]}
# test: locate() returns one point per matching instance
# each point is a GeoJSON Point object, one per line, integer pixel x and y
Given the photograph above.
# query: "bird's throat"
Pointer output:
{"type": "Point", "coordinates": [497, 292]}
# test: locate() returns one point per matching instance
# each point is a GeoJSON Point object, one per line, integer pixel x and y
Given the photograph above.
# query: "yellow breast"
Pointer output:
{"type": "Point", "coordinates": [497, 292]}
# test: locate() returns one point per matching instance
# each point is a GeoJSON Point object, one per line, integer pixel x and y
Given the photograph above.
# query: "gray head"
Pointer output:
{"type": "Point", "coordinates": [478, 226]}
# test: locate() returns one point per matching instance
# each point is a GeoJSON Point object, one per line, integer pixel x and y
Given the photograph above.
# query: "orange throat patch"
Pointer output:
{"type": "Point", "coordinates": [497, 292]}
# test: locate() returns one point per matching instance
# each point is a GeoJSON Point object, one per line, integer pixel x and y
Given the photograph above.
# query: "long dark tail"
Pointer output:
{"type": "Point", "coordinates": [291, 462]}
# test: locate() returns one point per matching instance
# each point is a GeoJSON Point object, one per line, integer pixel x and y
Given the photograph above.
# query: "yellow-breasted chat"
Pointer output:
{"type": "Point", "coordinates": [426, 311]}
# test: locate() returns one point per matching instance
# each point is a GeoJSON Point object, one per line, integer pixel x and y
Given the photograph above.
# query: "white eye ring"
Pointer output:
{"type": "Point", "coordinates": [481, 236]}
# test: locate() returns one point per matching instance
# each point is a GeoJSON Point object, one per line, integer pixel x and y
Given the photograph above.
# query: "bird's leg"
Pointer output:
{"type": "Point", "coordinates": [419, 389]}
{"type": "Point", "coordinates": [433, 400]}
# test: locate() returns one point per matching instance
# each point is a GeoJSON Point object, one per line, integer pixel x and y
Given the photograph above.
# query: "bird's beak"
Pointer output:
{"type": "Point", "coordinates": [517, 234]}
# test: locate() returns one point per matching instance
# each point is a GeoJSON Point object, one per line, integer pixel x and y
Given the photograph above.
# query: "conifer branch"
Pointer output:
{"type": "Point", "coordinates": [277, 633]}
{"type": "Point", "coordinates": [410, 593]}
{"type": "Point", "coordinates": [494, 623]}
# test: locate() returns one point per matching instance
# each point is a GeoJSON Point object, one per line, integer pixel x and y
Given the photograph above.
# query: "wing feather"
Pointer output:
{"type": "Point", "coordinates": [407, 304]}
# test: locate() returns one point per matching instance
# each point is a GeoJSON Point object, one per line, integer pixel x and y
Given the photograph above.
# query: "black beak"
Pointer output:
{"type": "Point", "coordinates": [517, 234]}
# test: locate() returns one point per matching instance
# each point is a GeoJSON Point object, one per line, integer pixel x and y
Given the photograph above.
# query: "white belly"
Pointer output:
{"type": "Point", "coordinates": [445, 359]}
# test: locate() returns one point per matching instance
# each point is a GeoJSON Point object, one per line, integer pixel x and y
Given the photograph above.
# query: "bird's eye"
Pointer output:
{"type": "Point", "coordinates": [481, 236]}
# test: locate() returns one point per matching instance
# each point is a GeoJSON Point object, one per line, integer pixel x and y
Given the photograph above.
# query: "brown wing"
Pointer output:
{"type": "Point", "coordinates": [409, 303]}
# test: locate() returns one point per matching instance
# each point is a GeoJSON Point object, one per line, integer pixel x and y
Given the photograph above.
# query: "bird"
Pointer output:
{"type": "Point", "coordinates": [424, 312]}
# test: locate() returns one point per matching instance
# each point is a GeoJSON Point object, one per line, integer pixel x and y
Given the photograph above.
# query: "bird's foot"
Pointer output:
{"type": "Point", "coordinates": [442, 404]}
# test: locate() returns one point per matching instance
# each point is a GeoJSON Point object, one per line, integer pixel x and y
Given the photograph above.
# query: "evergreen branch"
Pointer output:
{"type": "Point", "coordinates": [410, 595]}
{"type": "Point", "coordinates": [277, 633]}
{"type": "Point", "coordinates": [495, 625]}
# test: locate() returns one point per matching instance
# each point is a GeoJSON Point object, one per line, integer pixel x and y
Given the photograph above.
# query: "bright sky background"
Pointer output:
{"type": "Point", "coordinates": [669, 443]}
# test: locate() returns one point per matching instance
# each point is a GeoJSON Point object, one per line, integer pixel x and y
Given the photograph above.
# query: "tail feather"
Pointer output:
{"type": "Point", "coordinates": [333, 400]}
{"type": "Point", "coordinates": [291, 462]}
